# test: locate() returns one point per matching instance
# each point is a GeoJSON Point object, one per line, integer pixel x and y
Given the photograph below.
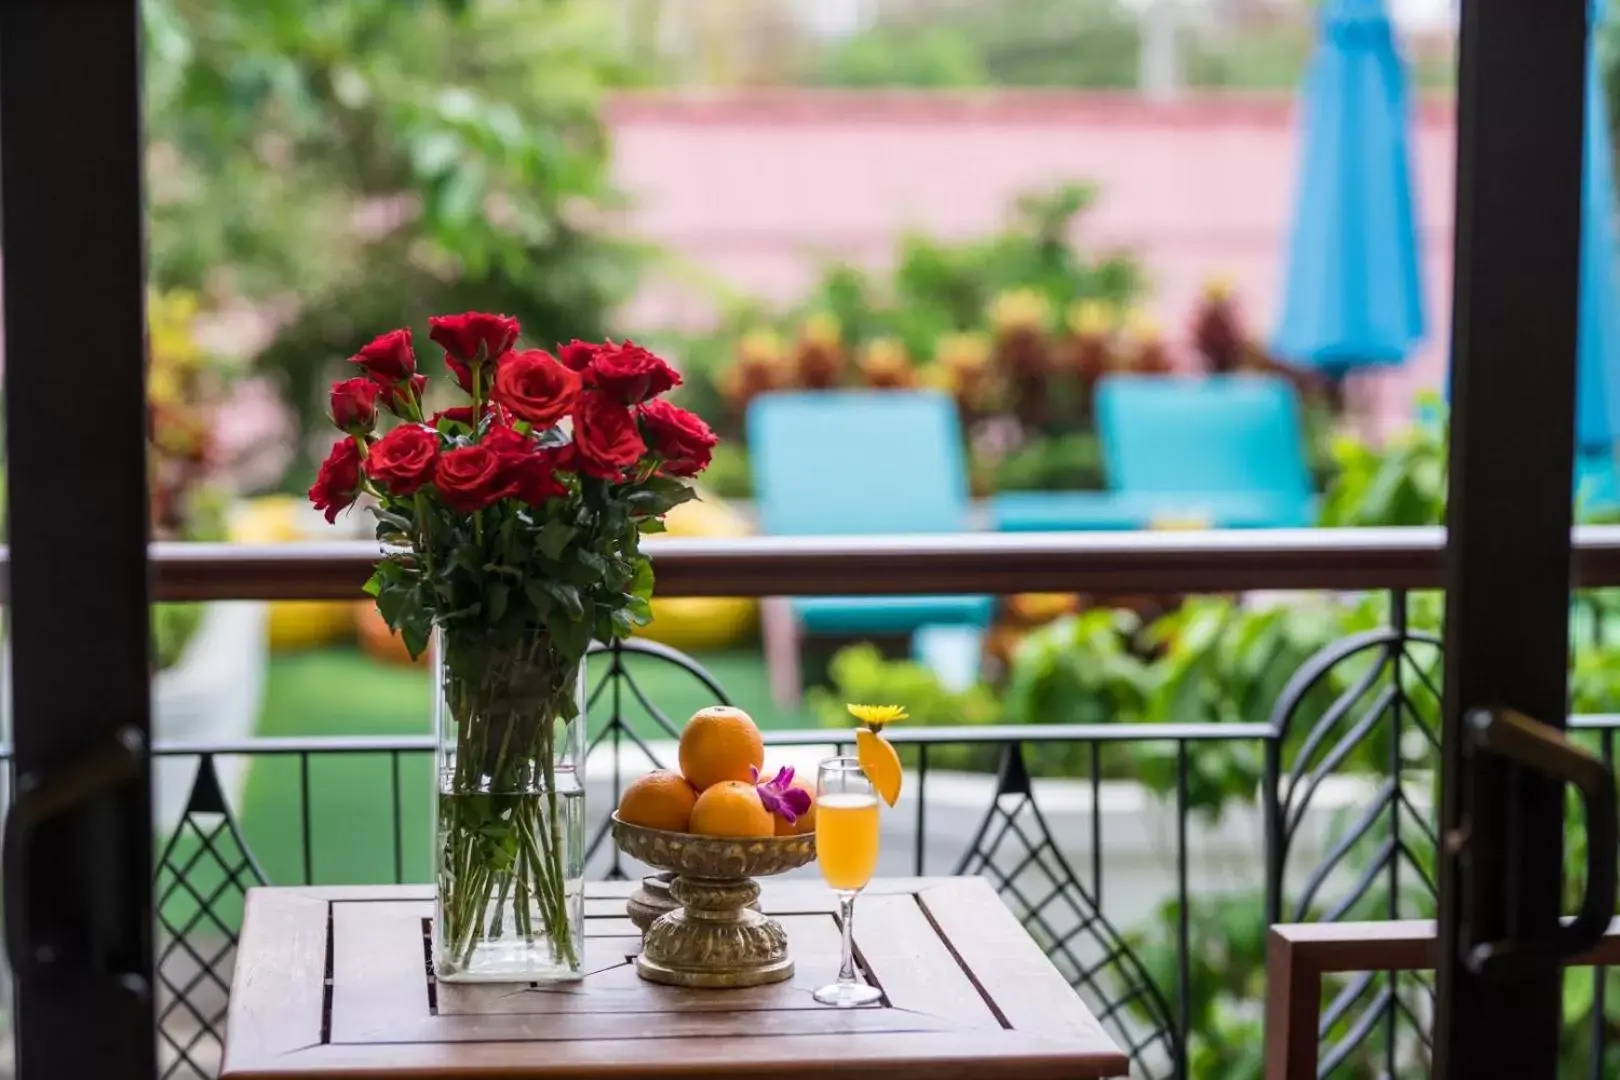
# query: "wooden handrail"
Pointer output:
{"type": "Point", "coordinates": [1299, 954]}
{"type": "Point", "coordinates": [959, 563]}
{"type": "Point", "coordinates": [962, 563]}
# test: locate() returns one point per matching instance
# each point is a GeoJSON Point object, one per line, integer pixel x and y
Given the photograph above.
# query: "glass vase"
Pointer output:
{"type": "Point", "coordinates": [509, 849]}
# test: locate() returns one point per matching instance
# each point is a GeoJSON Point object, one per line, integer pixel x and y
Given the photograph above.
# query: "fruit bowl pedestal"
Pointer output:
{"type": "Point", "coordinates": [717, 937]}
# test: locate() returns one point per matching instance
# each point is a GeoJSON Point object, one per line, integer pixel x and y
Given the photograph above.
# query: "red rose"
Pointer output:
{"type": "Point", "coordinates": [462, 414]}
{"type": "Point", "coordinates": [681, 438]}
{"type": "Point", "coordinates": [472, 338]}
{"type": "Point", "coordinates": [338, 483]}
{"type": "Point", "coordinates": [402, 460]}
{"type": "Point", "coordinates": [606, 440]}
{"type": "Point", "coordinates": [354, 405]}
{"type": "Point", "coordinates": [470, 478]}
{"type": "Point", "coordinates": [577, 355]}
{"type": "Point", "coordinates": [528, 471]}
{"type": "Point", "coordinates": [533, 386]}
{"type": "Point", "coordinates": [399, 398]}
{"type": "Point", "coordinates": [630, 374]}
{"type": "Point", "coordinates": [389, 358]}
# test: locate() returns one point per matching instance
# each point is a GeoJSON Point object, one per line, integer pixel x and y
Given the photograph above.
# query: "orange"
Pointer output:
{"type": "Point", "coordinates": [880, 762]}
{"type": "Point", "coordinates": [732, 808]}
{"type": "Point", "coordinates": [807, 820]}
{"type": "Point", "coordinates": [720, 743]}
{"type": "Point", "coordinates": [659, 800]}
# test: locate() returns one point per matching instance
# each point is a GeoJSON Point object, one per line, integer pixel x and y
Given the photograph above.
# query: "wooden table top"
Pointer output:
{"type": "Point", "coordinates": [967, 993]}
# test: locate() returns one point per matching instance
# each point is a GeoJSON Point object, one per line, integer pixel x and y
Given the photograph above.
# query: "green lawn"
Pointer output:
{"type": "Point", "coordinates": [342, 692]}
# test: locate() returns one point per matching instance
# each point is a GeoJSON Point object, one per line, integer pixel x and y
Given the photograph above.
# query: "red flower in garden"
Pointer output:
{"type": "Point", "coordinates": [403, 460]}
{"type": "Point", "coordinates": [533, 386]}
{"type": "Point", "coordinates": [389, 358]}
{"type": "Point", "coordinates": [606, 440]}
{"type": "Point", "coordinates": [473, 337]}
{"type": "Point", "coordinates": [577, 355]}
{"type": "Point", "coordinates": [681, 438]}
{"type": "Point", "coordinates": [354, 404]}
{"type": "Point", "coordinates": [470, 478]}
{"type": "Point", "coordinates": [529, 473]}
{"type": "Point", "coordinates": [397, 398]}
{"type": "Point", "coordinates": [337, 485]}
{"type": "Point", "coordinates": [630, 374]}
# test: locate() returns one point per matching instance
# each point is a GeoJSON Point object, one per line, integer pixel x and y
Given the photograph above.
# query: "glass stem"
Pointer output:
{"type": "Point", "coordinates": [846, 906]}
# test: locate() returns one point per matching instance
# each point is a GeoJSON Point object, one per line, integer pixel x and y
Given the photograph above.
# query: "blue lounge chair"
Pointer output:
{"type": "Point", "coordinates": [1232, 439]}
{"type": "Point", "coordinates": [859, 463]}
{"type": "Point", "coordinates": [1227, 452]}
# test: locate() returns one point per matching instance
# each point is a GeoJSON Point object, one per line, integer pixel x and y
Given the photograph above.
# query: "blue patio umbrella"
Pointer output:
{"type": "Point", "coordinates": [1597, 403]}
{"type": "Point", "coordinates": [1353, 297]}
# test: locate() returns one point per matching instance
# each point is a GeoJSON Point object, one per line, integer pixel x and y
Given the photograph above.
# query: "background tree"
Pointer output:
{"type": "Point", "coordinates": [345, 167]}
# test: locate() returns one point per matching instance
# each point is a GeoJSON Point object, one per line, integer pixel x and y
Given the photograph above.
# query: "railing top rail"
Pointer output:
{"type": "Point", "coordinates": [997, 563]}
{"type": "Point", "coordinates": [988, 734]}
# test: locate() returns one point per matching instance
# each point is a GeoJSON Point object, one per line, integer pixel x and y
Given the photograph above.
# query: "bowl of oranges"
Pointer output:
{"type": "Point", "coordinates": [712, 828]}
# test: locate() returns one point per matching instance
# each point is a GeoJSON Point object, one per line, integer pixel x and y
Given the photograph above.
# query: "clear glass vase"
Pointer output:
{"type": "Point", "coordinates": [509, 838]}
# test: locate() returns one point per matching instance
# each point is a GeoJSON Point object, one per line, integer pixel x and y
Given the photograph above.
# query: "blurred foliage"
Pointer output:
{"type": "Point", "coordinates": [347, 167]}
{"type": "Point", "coordinates": [940, 318]}
{"type": "Point", "coordinates": [186, 388]}
{"type": "Point", "coordinates": [1077, 44]}
{"type": "Point", "coordinates": [1402, 482]}
{"type": "Point", "coordinates": [933, 57]}
{"type": "Point", "coordinates": [1071, 462]}
{"type": "Point", "coordinates": [1080, 43]}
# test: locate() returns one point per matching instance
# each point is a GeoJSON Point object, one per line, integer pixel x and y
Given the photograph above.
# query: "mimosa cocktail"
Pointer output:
{"type": "Point", "coordinates": [847, 839]}
{"type": "Point", "coordinates": [847, 829]}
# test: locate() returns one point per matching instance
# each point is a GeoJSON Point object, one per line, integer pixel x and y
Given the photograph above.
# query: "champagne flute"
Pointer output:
{"type": "Point", "coordinates": [847, 849]}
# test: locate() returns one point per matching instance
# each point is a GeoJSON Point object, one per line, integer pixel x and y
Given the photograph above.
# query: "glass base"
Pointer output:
{"type": "Point", "coordinates": [508, 962]}
{"type": "Point", "coordinates": [847, 995]}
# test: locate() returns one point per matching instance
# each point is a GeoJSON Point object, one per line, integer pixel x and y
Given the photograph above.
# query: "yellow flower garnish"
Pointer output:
{"type": "Point", "coordinates": [877, 716]}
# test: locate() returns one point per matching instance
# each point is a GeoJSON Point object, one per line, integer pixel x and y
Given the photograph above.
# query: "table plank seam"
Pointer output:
{"type": "Point", "coordinates": [950, 947]}
{"type": "Point", "coordinates": [326, 989]}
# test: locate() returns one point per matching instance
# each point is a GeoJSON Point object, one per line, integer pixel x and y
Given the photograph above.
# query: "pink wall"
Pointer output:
{"type": "Point", "coordinates": [750, 188]}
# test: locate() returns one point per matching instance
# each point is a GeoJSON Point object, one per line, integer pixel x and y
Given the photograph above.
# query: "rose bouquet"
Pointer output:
{"type": "Point", "coordinates": [511, 526]}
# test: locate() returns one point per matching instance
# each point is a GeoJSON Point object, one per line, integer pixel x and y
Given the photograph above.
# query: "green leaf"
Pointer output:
{"type": "Point", "coordinates": [554, 536]}
{"type": "Point", "coordinates": [415, 632]}
{"type": "Point", "coordinates": [495, 598]}
{"type": "Point", "coordinates": [566, 595]}
{"type": "Point", "coordinates": [393, 600]}
{"type": "Point", "coordinates": [570, 635]}
{"type": "Point", "coordinates": [536, 591]}
{"type": "Point", "coordinates": [641, 583]}
{"type": "Point", "coordinates": [374, 584]}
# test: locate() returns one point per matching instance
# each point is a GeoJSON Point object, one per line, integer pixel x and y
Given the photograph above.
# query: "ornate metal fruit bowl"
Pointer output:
{"type": "Point", "coordinates": [716, 936]}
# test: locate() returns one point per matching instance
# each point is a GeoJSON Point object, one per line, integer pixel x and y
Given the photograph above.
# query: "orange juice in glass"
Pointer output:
{"type": "Point", "coordinates": [847, 841]}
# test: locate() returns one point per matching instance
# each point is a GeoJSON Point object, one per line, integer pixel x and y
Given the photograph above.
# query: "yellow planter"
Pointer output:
{"type": "Point", "coordinates": [293, 624]}
{"type": "Point", "coordinates": [698, 623]}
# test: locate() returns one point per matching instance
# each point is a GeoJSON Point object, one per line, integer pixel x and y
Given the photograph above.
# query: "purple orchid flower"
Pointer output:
{"type": "Point", "coordinates": [781, 797]}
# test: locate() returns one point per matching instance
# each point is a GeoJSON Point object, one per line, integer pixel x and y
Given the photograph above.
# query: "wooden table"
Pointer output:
{"type": "Point", "coordinates": [334, 983]}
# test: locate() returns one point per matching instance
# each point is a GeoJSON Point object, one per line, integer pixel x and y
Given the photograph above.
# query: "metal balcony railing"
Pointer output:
{"type": "Point", "coordinates": [1375, 856]}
